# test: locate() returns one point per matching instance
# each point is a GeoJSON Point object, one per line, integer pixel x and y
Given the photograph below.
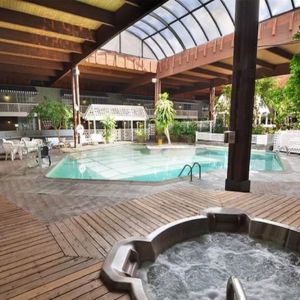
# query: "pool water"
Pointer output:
{"type": "Point", "coordinates": [137, 163]}
{"type": "Point", "coordinates": [200, 268]}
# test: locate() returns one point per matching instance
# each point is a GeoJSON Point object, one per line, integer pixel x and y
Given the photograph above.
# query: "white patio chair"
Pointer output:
{"type": "Point", "coordinates": [30, 146]}
{"type": "Point", "coordinates": [11, 150]}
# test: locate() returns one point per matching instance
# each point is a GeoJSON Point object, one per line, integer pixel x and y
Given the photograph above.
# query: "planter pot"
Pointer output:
{"type": "Point", "coordinates": [159, 141]}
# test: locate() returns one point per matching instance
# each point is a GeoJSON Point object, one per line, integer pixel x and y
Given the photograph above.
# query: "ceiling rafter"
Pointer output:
{"type": "Point", "coordinates": [124, 17]}
{"type": "Point", "coordinates": [18, 18]}
{"type": "Point", "coordinates": [39, 40]}
{"type": "Point", "coordinates": [211, 73]}
{"type": "Point", "coordinates": [33, 52]}
{"type": "Point", "coordinates": [280, 52]}
{"type": "Point", "coordinates": [79, 9]}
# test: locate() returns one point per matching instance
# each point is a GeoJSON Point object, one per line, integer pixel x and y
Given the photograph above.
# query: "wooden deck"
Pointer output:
{"type": "Point", "coordinates": [63, 260]}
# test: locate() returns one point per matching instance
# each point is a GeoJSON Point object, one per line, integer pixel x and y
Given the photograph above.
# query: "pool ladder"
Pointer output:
{"type": "Point", "coordinates": [191, 170]}
{"type": "Point", "coordinates": [234, 289]}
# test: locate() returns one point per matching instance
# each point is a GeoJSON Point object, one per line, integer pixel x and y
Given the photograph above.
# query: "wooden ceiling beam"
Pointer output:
{"type": "Point", "coordinates": [281, 52]}
{"type": "Point", "coordinates": [265, 64]}
{"type": "Point", "coordinates": [106, 72]}
{"type": "Point", "coordinates": [44, 24]}
{"type": "Point", "coordinates": [33, 52]}
{"type": "Point", "coordinates": [274, 31]}
{"type": "Point", "coordinates": [124, 17]}
{"type": "Point", "coordinates": [189, 77]}
{"type": "Point", "coordinates": [104, 78]}
{"type": "Point", "coordinates": [7, 68]}
{"type": "Point", "coordinates": [39, 40]}
{"type": "Point", "coordinates": [211, 73]}
{"type": "Point", "coordinates": [79, 9]}
{"type": "Point", "coordinates": [222, 65]}
{"type": "Point", "coordinates": [30, 62]}
{"type": "Point", "coordinates": [17, 78]}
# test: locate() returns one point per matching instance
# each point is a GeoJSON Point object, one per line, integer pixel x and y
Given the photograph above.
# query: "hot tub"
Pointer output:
{"type": "Point", "coordinates": [139, 266]}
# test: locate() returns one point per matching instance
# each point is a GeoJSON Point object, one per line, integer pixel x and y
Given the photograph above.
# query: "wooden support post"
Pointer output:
{"type": "Point", "coordinates": [157, 90]}
{"type": "Point", "coordinates": [242, 97]}
{"type": "Point", "coordinates": [76, 103]}
{"type": "Point", "coordinates": [212, 95]}
{"type": "Point", "coordinates": [131, 122]}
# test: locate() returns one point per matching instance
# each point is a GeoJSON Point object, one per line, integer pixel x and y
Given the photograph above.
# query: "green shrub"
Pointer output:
{"type": "Point", "coordinates": [258, 129]}
{"type": "Point", "coordinates": [219, 126]}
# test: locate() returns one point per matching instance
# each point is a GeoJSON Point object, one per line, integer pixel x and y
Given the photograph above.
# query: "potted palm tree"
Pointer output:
{"type": "Point", "coordinates": [164, 115]}
{"type": "Point", "coordinates": [109, 125]}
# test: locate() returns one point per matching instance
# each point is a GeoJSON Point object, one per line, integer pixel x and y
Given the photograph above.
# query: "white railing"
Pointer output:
{"type": "Point", "coordinates": [17, 107]}
{"type": "Point", "coordinates": [180, 113]}
{"type": "Point", "coordinates": [211, 137]}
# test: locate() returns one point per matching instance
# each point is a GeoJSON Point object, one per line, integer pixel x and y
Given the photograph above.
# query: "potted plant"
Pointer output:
{"type": "Point", "coordinates": [176, 131]}
{"type": "Point", "coordinates": [140, 133]}
{"type": "Point", "coordinates": [164, 115]}
{"type": "Point", "coordinates": [109, 125]}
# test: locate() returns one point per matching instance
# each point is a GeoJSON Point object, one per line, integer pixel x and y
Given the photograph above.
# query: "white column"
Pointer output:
{"type": "Point", "coordinates": [145, 129]}
{"type": "Point", "coordinates": [131, 130]}
{"type": "Point", "coordinates": [94, 125]}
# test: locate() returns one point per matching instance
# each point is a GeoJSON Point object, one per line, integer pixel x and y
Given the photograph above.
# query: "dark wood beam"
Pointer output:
{"type": "Point", "coordinates": [99, 71]}
{"type": "Point", "coordinates": [7, 68]}
{"type": "Point", "coordinates": [189, 78]}
{"type": "Point", "coordinates": [140, 80]}
{"type": "Point", "coordinates": [211, 73]}
{"type": "Point", "coordinates": [103, 78]}
{"type": "Point", "coordinates": [44, 24]}
{"type": "Point", "coordinates": [281, 52]}
{"type": "Point", "coordinates": [30, 62]}
{"type": "Point", "coordinates": [124, 17]}
{"type": "Point", "coordinates": [222, 65]}
{"type": "Point", "coordinates": [242, 96]}
{"type": "Point", "coordinates": [265, 64]}
{"type": "Point", "coordinates": [79, 9]}
{"type": "Point", "coordinates": [16, 78]}
{"type": "Point", "coordinates": [39, 41]}
{"type": "Point", "coordinates": [33, 52]}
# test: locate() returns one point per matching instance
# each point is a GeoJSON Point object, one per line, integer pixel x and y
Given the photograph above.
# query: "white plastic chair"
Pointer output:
{"type": "Point", "coordinates": [11, 150]}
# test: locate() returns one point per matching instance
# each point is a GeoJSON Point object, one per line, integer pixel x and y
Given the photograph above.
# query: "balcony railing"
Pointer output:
{"type": "Point", "coordinates": [17, 107]}
{"type": "Point", "coordinates": [180, 113]}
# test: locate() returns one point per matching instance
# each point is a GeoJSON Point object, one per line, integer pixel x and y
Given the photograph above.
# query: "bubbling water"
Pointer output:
{"type": "Point", "coordinates": [200, 268]}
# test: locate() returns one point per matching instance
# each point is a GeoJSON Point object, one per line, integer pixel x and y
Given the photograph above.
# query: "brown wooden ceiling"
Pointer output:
{"type": "Point", "coordinates": [41, 40]}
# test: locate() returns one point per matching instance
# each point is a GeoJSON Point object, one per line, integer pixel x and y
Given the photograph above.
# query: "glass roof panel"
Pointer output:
{"type": "Point", "coordinates": [172, 40]}
{"type": "Point", "coordinates": [176, 8]}
{"type": "Point", "coordinates": [221, 16]}
{"type": "Point", "coordinates": [154, 47]}
{"type": "Point", "coordinates": [173, 28]}
{"type": "Point", "coordinates": [168, 17]}
{"type": "Point", "coordinates": [208, 24]}
{"type": "Point", "coordinates": [163, 43]}
{"type": "Point", "coordinates": [230, 4]}
{"type": "Point", "coordinates": [190, 4]}
{"type": "Point", "coordinates": [195, 29]}
{"type": "Point", "coordinates": [137, 32]}
{"type": "Point", "coordinates": [183, 34]}
{"type": "Point", "coordinates": [280, 6]}
{"type": "Point", "coordinates": [144, 27]}
{"type": "Point", "coordinates": [154, 22]}
{"type": "Point", "coordinates": [263, 11]}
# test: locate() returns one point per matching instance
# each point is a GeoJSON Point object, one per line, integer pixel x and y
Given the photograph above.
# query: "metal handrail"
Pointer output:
{"type": "Point", "coordinates": [191, 170]}
{"type": "Point", "coordinates": [234, 289]}
{"type": "Point", "coordinates": [190, 173]}
{"type": "Point", "coordinates": [199, 168]}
